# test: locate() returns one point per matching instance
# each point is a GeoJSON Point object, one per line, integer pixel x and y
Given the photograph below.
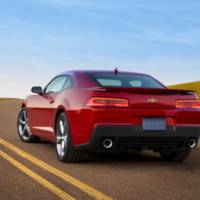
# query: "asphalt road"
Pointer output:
{"type": "Point", "coordinates": [32, 171]}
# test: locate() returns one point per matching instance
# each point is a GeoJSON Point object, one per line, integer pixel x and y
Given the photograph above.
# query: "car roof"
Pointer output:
{"type": "Point", "coordinates": [73, 72]}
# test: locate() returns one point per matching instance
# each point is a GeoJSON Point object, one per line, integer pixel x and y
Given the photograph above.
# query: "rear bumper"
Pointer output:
{"type": "Point", "coordinates": [133, 137]}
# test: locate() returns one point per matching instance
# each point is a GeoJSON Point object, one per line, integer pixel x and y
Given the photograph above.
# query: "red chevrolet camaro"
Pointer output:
{"type": "Point", "coordinates": [111, 111]}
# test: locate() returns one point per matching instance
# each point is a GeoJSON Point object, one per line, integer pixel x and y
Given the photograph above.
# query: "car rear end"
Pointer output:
{"type": "Point", "coordinates": [135, 111]}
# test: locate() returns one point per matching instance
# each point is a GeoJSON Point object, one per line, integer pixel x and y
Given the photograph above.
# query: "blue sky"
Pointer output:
{"type": "Point", "coordinates": [41, 38]}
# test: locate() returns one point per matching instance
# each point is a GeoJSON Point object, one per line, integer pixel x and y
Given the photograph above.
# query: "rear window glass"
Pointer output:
{"type": "Point", "coordinates": [125, 80]}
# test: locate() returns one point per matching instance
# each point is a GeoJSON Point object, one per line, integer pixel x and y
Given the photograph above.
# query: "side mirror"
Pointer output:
{"type": "Point", "coordinates": [37, 90]}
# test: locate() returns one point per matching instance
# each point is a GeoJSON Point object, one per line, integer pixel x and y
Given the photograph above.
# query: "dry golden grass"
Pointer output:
{"type": "Point", "coordinates": [8, 99]}
{"type": "Point", "coordinates": [188, 86]}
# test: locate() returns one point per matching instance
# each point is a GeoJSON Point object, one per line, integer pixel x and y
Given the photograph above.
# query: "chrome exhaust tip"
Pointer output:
{"type": "Point", "coordinates": [192, 143]}
{"type": "Point", "coordinates": [107, 143]}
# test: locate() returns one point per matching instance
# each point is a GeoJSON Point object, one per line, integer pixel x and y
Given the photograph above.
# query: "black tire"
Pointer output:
{"type": "Point", "coordinates": [178, 156]}
{"type": "Point", "coordinates": [64, 147]}
{"type": "Point", "coordinates": [23, 128]}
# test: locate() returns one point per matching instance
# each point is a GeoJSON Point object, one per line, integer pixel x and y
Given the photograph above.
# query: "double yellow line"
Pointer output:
{"type": "Point", "coordinates": [63, 195]}
{"type": "Point", "coordinates": [92, 192]}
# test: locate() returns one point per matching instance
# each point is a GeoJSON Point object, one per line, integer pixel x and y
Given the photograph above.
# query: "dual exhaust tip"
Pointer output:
{"type": "Point", "coordinates": [108, 143]}
{"type": "Point", "coordinates": [192, 143]}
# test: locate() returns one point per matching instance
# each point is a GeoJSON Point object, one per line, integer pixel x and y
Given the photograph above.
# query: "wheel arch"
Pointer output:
{"type": "Point", "coordinates": [58, 112]}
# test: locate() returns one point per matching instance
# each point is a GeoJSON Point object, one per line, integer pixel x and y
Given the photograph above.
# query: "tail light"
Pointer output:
{"type": "Point", "coordinates": [107, 102]}
{"type": "Point", "coordinates": [188, 103]}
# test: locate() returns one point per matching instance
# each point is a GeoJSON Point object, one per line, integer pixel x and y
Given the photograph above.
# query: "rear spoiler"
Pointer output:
{"type": "Point", "coordinates": [143, 90]}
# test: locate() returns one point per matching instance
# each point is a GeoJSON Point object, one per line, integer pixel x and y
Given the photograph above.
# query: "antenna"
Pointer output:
{"type": "Point", "coordinates": [116, 71]}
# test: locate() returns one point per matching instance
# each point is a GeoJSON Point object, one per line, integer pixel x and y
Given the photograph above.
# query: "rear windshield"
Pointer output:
{"type": "Point", "coordinates": [125, 80]}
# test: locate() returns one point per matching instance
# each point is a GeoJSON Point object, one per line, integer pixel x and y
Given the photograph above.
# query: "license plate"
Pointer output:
{"type": "Point", "coordinates": [154, 124]}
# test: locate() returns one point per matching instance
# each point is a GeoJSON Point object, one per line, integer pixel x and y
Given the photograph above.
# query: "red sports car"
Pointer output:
{"type": "Point", "coordinates": [111, 111]}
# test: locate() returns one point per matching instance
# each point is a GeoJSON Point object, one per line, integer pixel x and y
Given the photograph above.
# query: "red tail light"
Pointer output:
{"type": "Point", "coordinates": [107, 102]}
{"type": "Point", "coordinates": [188, 103]}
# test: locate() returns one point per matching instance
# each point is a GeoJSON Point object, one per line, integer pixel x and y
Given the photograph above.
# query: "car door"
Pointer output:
{"type": "Point", "coordinates": [43, 107]}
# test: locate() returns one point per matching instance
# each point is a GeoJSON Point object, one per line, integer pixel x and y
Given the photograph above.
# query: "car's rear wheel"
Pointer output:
{"type": "Point", "coordinates": [24, 129]}
{"type": "Point", "coordinates": [178, 156]}
{"type": "Point", "coordinates": [64, 146]}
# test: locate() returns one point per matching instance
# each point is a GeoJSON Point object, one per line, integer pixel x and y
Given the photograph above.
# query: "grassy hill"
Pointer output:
{"type": "Point", "coordinates": [188, 86]}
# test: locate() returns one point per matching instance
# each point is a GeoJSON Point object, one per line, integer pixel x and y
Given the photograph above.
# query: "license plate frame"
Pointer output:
{"type": "Point", "coordinates": [154, 124]}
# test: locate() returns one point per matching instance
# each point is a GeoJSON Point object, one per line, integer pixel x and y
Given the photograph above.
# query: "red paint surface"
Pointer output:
{"type": "Point", "coordinates": [42, 109]}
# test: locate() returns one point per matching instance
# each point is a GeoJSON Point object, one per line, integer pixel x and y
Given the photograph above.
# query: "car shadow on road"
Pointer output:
{"type": "Point", "coordinates": [134, 158]}
{"type": "Point", "coordinates": [145, 158]}
{"type": "Point", "coordinates": [126, 157]}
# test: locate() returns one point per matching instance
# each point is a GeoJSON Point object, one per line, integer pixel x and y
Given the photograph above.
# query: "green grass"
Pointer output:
{"type": "Point", "coordinates": [188, 86]}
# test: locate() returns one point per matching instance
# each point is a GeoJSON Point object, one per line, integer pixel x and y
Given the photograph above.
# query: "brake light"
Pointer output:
{"type": "Point", "coordinates": [188, 104]}
{"type": "Point", "coordinates": [107, 102]}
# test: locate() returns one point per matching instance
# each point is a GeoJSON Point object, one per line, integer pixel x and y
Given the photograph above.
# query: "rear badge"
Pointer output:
{"type": "Point", "coordinates": [152, 100]}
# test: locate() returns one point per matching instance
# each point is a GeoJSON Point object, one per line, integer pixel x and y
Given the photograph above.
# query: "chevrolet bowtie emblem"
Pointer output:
{"type": "Point", "coordinates": [152, 100]}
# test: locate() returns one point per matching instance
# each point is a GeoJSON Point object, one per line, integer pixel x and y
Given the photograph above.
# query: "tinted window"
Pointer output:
{"type": "Point", "coordinates": [56, 85]}
{"type": "Point", "coordinates": [125, 80]}
{"type": "Point", "coordinates": [109, 82]}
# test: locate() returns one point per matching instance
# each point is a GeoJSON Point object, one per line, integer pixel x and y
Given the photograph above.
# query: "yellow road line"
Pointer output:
{"type": "Point", "coordinates": [66, 177]}
{"type": "Point", "coordinates": [50, 186]}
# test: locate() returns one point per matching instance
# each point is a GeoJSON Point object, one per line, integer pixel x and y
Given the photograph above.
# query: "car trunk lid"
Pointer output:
{"type": "Point", "coordinates": [149, 98]}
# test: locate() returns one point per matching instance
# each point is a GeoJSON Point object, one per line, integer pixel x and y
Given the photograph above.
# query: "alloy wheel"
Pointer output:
{"type": "Point", "coordinates": [62, 137]}
{"type": "Point", "coordinates": [23, 126]}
